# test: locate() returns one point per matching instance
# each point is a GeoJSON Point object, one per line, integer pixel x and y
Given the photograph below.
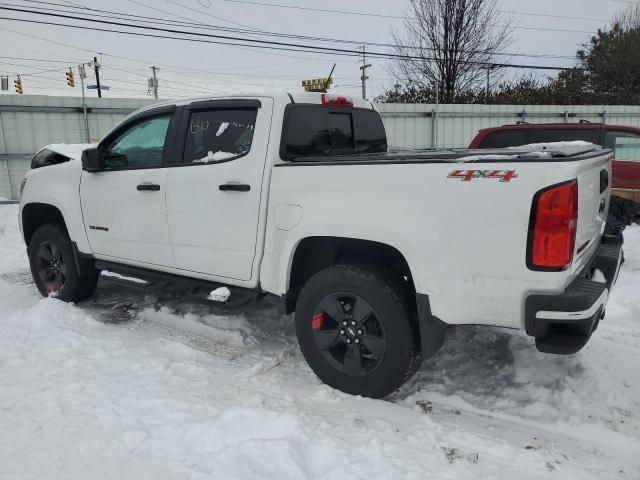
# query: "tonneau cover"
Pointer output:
{"type": "Point", "coordinates": [553, 152]}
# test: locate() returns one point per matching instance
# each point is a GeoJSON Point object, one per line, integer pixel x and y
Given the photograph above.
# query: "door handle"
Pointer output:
{"type": "Point", "coordinates": [148, 187]}
{"type": "Point", "coordinates": [234, 187]}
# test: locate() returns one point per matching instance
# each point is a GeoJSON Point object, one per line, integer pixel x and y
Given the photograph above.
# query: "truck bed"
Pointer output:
{"type": "Point", "coordinates": [461, 218]}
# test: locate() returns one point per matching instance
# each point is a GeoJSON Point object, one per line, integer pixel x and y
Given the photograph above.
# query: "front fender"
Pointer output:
{"type": "Point", "coordinates": [58, 186]}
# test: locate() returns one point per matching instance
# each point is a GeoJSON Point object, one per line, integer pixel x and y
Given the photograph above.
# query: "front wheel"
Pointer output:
{"type": "Point", "coordinates": [53, 266]}
{"type": "Point", "coordinates": [356, 331]}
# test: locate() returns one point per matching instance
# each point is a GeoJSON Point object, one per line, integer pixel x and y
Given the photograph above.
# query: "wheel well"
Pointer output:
{"type": "Point", "coordinates": [35, 215]}
{"type": "Point", "coordinates": [315, 253]}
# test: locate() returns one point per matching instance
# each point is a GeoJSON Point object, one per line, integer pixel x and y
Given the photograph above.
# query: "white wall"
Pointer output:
{"type": "Point", "coordinates": [413, 126]}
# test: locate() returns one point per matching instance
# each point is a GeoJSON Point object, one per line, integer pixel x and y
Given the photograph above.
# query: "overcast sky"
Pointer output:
{"type": "Point", "coordinates": [192, 69]}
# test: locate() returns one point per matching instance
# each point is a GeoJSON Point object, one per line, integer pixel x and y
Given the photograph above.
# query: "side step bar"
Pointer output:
{"type": "Point", "coordinates": [198, 289]}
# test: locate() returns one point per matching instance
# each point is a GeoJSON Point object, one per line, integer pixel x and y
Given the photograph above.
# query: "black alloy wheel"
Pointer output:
{"type": "Point", "coordinates": [357, 330]}
{"type": "Point", "coordinates": [51, 267]}
{"type": "Point", "coordinates": [348, 332]}
{"type": "Point", "coordinates": [54, 268]}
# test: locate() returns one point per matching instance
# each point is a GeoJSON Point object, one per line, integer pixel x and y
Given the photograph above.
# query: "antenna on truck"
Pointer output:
{"type": "Point", "coordinates": [328, 82]}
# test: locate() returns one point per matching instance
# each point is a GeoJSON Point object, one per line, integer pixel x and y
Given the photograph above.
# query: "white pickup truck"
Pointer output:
{"type": "Point", "coordinates": [296, 196]}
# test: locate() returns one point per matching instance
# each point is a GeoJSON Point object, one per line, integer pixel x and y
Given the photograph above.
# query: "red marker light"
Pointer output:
{"type": "Point", "coordinates": [336, 101]}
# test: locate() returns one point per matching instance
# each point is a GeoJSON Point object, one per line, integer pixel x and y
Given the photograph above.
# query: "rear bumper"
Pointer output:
{"type": "Point", "coordinates": [563, 324]}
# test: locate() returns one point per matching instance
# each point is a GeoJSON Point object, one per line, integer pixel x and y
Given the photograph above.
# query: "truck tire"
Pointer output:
{"type": "Point", "coordinates": [356, 331]}
{"type": "Point", "coordinates": [53, 266]}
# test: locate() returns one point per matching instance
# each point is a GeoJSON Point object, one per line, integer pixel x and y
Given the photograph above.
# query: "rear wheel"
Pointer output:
{"type": "Point", "coordinates": [356, 331]}
{"type": "Point", "coordinates": [53, 266]}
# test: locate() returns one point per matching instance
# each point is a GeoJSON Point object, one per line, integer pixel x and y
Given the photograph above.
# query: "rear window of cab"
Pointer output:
{"type": "Point", "coordinates": [316, 130]}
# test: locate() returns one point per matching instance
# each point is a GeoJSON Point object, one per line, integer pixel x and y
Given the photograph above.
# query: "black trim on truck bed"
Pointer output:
{"type": "Point", "coordinates": [568, 335]}
{"type": "Point", "coordinates": [445, 156]}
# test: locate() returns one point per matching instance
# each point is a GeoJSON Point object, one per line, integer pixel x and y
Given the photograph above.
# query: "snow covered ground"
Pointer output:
{"type": "Point", "coordinates": [132, 386]}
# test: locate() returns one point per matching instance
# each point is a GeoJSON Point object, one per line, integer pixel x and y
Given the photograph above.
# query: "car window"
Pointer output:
{"type": "Point", "coordinates": [505, 138]}
{"type": "Point", "coordinates": [217, 135]}
{"type": "Point", "coordinates": [370, 134]}
{"type": "Point", "coordinates": [314, 130]}
{"type": "Point", "coordinates": [591, 135]}
{"type": "Point", "coordinates": [625, 145]}
{"type": "Point", "coordinates": [139, 146]}
{"type": "Point", "coordinates": [341, 131]}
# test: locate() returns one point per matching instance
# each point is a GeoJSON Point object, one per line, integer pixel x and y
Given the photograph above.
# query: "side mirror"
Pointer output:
{"type": "Point", "coordinates": [91, 160]}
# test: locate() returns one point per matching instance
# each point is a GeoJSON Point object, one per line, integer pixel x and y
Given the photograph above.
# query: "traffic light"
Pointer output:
{"type": "Point", "coordinates": [18, 85]}
{"type": "Point", "coordinates": [70, 80]}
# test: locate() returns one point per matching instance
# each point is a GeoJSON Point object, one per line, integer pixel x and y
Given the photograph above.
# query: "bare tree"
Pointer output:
{"type": "Point", "coordinates": [449, 44]}
{"type": "Point", "coordinates": [629, 19]}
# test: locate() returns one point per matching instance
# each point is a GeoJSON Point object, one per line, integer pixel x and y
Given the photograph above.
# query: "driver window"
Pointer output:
{"type": "Point", "coordinates": [217, 135]}
{"type": "Point", "coordinates": [139, 146]}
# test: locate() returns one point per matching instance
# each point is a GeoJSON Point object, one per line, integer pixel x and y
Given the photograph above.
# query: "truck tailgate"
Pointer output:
{"type": "Point", "coordinates": [594, 190]}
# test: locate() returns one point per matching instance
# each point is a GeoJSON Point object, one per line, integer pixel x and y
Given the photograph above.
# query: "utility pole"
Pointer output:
{"type": "Point", "coordinates": [488, 92]}
{"type": "Point", "coordinates": [82, 73]}
{"type": "Point", "coordinates": [364, 77]}
{"type": "Point", "coordinates": [96, 68]}
{"type": "Point", "coordinates": [154, 86]}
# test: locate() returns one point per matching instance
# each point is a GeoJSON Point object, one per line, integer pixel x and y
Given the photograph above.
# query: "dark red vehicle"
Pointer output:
{"type": "Point", "coordinates": [623, 140]}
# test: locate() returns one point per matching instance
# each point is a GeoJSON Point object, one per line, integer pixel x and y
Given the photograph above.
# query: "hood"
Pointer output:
{"type": "Point", "coordinates": [58, 153]}
{"type": "Point", "coordinates": [70, 150]}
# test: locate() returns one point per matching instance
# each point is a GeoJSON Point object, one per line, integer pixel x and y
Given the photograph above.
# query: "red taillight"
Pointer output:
{"type": "Point", "coordinates": [336, 101]}
{"type": "Point", "coordinates": [552, 231]}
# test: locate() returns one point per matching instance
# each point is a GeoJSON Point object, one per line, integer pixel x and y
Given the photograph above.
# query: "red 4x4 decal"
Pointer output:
{"type": "Point", "coordinates": [468, 175]}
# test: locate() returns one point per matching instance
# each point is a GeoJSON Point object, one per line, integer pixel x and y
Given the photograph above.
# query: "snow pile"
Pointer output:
{"type": "Point", "coordinates": [502, 158]}
{"type": "Point", "coordinates": [220, 294]}
{"type": "Point", "coordinates": [556, 146]}
{"type": "Point", "coordinates": [178, 391]}
{"type": "Point", "coordinates": [126, 278]}
{"type": "Point", "coordinates": [215, 157]}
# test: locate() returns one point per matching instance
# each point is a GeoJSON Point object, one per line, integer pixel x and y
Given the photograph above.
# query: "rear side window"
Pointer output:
{"type": "Point", "coordinates": [218, 135]}
{"type": "Point", "coordinates": [591, 135]}
{"type": "Point", "coordinates": [320, 131]}
{"type": "Point", "coordinates": [506, 138]}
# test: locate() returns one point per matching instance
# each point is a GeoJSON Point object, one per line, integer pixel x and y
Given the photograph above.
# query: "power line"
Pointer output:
{"type": "Point", "coordinates": [167, 22]}
{"type": "Point", "coordinates": [204, 88]}
{"type": "Point", "coordinates": [132, 60]}
{"type": "Point", "coordinates": [227, 39]}
{"type": "Point", "coordinates": [397, 17]}
{"type": "Point", "coordinates": [38, 60]}
{"type": "Point", "coordinates": [172, 22]}
{"type": "Point", "coordinates": [119, 57]}
{"type": "Point", "coordinates": [169, 13]}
